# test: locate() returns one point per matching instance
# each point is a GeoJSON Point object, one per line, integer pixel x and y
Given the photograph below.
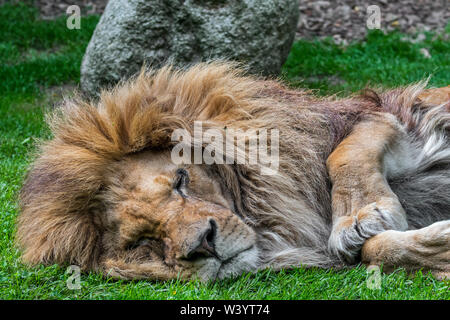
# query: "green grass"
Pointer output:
{"type": "Point", "coordinates": [379, 60]}
{"type": "Point", "coordinates": [37, 55]}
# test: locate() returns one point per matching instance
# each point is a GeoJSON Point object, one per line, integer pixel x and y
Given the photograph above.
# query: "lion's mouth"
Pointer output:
{"type": "Point", "coordinates": [236, 263]}
{"type": "Point", "coordinates": [230, 259]}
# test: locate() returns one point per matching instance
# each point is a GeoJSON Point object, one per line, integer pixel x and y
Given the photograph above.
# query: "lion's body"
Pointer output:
{"type": "Point", "coordinates": [86, 180]}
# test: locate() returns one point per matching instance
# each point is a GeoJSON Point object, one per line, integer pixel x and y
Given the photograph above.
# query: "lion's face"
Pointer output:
{"type": "Point", "coordinates": [164, 219]}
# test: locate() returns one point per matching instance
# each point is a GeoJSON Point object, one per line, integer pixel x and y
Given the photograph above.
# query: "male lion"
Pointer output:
{"type": "Point", "coordinates": [361, 179]}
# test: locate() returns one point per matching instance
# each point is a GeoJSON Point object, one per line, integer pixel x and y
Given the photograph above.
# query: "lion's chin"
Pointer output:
{"type": "Point", "coordinates": [247, 260]}
{"type": "Point", "coordinates": [213, 269]}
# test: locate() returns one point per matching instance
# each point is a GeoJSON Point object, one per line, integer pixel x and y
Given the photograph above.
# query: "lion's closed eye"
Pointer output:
{"type": "Point", "coordinates": [143, 250]}
{"type": "Point", "coordinates": [142, 241]}
{"type": "Point", "coordinates": [181, 181]}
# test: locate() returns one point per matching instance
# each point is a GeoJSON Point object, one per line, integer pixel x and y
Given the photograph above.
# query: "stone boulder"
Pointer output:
{"type": "Point", "coordinates": [131, 32]}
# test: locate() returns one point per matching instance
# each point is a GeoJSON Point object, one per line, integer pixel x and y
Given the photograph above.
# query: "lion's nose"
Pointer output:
{"type": "Point", "coordinates": [204, 247]}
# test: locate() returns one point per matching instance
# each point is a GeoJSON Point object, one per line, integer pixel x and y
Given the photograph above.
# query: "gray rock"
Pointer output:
{"type": "Point", "coordinates": [256, 32]}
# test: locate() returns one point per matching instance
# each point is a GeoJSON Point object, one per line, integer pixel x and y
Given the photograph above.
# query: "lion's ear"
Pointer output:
{"type": "Point", "coordinates": [56, 223]}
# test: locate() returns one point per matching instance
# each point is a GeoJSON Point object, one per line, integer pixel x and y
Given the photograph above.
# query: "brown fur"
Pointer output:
{"type": "Point", "coordinates": [88, 196]}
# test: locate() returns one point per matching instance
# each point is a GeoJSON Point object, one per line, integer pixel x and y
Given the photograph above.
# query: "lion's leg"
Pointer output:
{"type": "Point", "coordinates": [363, 204]}
{"type": "Point", "coordinates": [427, 248]}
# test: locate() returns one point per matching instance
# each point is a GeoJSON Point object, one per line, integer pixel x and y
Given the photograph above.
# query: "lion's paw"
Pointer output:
{"type": "Point", "coordinates": [350, 232]}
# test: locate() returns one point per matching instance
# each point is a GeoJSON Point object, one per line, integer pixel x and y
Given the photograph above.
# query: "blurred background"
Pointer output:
{"type": "Point", "coordinates": [339, 19]}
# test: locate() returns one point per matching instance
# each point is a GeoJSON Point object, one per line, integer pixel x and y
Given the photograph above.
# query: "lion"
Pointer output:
{"type": "Point", "coordinates": [363, 179]}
